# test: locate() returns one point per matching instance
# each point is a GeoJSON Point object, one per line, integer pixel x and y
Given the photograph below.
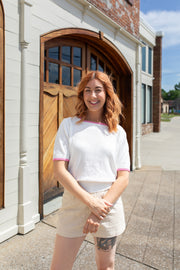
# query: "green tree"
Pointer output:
{"type": "Point", "coordinates": [163, 94]}
{"type": "Point", "coordinates": [177, 86]}
{"type": "Point", "coordinates": [171, 94]}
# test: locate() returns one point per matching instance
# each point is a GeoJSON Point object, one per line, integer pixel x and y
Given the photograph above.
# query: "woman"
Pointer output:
{"type": "Point", "coordinates": [91, 160]}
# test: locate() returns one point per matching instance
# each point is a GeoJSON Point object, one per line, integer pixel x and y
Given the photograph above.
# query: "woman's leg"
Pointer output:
{"type": "Point", "coordinates": [105, 253]}
{"type": "Point", "coordinates": [65, 252]}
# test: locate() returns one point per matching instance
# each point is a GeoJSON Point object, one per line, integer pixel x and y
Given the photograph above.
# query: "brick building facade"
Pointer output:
{"type": "Point", "coordinates": [125, 13]}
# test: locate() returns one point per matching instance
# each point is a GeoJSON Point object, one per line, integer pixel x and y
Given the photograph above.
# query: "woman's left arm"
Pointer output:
{"type": "Point", "coordinates": [117, 187]}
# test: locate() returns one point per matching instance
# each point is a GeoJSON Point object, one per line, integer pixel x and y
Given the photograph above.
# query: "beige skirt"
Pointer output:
{"type": "Point", "coordinates": [73, 215]}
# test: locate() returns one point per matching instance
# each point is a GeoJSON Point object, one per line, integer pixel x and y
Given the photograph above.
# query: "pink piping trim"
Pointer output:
{"type": "Point", "coordinates": [64, 159]}
{"type": "Point", "coordinates": [98, 123]}
{"type": "Point", "coordinates": [123, 169]}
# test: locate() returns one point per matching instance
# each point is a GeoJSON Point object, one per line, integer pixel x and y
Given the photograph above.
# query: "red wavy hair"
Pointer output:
{"type": "Point", "coordinates": [112, 106]}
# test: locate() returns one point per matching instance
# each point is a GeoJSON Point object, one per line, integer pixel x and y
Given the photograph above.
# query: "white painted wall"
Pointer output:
{"type": "Point", "coordinates": [47, 15]}
{"type": "Point", "coordinates": [8, 215]}
{"type": "Point", "coordinates": [148, 36]}
{"type": "Point", "coordinates": [147, 32]}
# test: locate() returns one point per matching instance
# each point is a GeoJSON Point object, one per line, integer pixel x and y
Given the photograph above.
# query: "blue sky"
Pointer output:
{"type": "Point", "coordinates": [164, 15]}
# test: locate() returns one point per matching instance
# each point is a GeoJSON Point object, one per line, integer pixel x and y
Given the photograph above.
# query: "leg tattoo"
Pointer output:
{"type": "Point", "coordinates": [106, 244]}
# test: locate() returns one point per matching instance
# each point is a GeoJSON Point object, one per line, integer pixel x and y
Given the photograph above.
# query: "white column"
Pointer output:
{"type": "Point", "coordinates": [138, 108]}
{"type": "Point", "coordinates": [25, 213]}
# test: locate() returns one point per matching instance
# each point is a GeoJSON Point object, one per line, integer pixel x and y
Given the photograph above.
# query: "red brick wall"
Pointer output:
{"type": "Point", "coordinates": [157, 84]}
{"type": "Point", "coordinates": [122, 12]}
{"type": "Point", "coordinates": [147, 128]}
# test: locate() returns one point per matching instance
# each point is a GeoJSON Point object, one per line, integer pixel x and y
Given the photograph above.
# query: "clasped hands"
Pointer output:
{"type": "Point", "coordinates": [99, 210]}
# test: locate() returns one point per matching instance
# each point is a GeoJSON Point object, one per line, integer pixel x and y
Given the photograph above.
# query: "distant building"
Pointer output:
{"type": "Point", "coordinates": [177, 105]}
{"type": "Point", "coordinates": [45, 48]}
{"type": "Point", "coordinates": [174, 105]}
{"type": "Point", "coordinates": [164, 106]}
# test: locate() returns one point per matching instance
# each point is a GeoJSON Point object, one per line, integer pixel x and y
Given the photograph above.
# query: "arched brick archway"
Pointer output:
{"type": "Point", "coordinates": [56, 99]}
{"type": "Point", "coordinates": [1, 106]}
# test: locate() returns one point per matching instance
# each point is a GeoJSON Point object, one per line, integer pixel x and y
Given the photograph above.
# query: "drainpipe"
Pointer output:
{"type": "Point", "coordinates": [138, 108]}
{"type": "Point", "coordinates": [25, 209]}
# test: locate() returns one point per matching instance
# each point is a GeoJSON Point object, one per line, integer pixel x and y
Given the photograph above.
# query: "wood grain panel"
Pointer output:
{"type": "Point", "coordinates": [69, 106]}
{"type": "Point", "coordinates": [51, 112]}
{"type": "Point", "coordinates": [55, 109]}
{"type": "Point", "coordinates": [48, 101]}
{"type": "Point", "coordinates": [50, 133]}
{"type": "Point", "coordinates": [50, 126]}
{"type": "Point", "coordinates": [49, 180]}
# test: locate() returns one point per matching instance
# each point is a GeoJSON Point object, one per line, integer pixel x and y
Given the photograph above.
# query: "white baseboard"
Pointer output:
{"type": "Point", "coordinates": [52, 206]}
{"type": "Point", "coordinates": [8, 233]}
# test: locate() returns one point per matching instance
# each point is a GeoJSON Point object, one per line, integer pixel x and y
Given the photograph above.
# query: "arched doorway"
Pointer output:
{"type": "Point", "coordinates": [66, 55]}
{"type": "Point", "coordinates": [1, 106]}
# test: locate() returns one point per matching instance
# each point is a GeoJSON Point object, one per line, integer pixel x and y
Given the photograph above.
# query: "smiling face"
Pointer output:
{"type": "Point", "coordinates": [94, 97]}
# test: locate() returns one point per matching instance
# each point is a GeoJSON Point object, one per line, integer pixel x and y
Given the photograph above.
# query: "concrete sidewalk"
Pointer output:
{"type": "Point", "coordinates": [163, 149]}
{"type": "Point", "coordinates": [151, 202]}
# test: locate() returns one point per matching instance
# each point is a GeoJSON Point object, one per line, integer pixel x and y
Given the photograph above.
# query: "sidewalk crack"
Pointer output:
{"type": "Point", "coordinates": [52, 226]}
{"type": "Point", "coordinates": [129, 258]}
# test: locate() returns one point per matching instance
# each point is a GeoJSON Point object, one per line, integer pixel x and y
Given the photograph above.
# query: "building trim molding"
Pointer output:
{"type": "Point", "coordinates": [25, 206]}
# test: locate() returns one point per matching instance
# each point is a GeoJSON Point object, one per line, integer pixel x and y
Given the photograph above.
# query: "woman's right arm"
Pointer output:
{"type": "Point", "coordinates": [99, 207]}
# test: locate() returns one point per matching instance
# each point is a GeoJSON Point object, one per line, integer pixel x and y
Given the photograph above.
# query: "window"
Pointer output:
{"type": "Point", "coordinates": [144, 58]}
{"type": "Point", "coordinates": [146, 53]}
{"type": "Point", "coordinates": [63, 64]}
{"type": "Point", "coordinates": [93, 65]}
{"type": "Point", "coordinates": [54, 53]}
{"type": "Point", "coordinates": [143, 103]}
{"type": "Point", "coordinates": [149, 60]}
{"type": "Point", "coordinates": [102, 64]}
{"type": "Point", "coordinates": [146, 104]}
{"type": "Point", "coordinates": [149, 104]}
{"type": "Point", "coordinates": [53, 72]}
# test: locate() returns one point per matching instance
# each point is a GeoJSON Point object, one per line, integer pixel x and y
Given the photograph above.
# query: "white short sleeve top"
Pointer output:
{"type": "Point", "coordinates": [94, 154]}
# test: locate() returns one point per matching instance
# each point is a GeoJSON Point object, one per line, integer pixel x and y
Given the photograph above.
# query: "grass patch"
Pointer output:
{"type": "Point", "coordinates": [165, 117]}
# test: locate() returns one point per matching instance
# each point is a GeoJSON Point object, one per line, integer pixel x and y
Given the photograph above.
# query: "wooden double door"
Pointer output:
{"type": "Point", "coordinates": [59, 103]}
{"type": "Point", "coordinates": [65, 61]}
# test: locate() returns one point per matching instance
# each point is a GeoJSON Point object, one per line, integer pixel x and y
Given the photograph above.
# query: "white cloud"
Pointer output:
{"type": "Point", "coordinates": [168, 22]}
{"type": "Point", "coordinates": [167, 71]}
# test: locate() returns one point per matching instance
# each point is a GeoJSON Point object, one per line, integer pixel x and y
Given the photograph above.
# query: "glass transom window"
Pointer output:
{"type": "Point", "coordinates": [63, 65]}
